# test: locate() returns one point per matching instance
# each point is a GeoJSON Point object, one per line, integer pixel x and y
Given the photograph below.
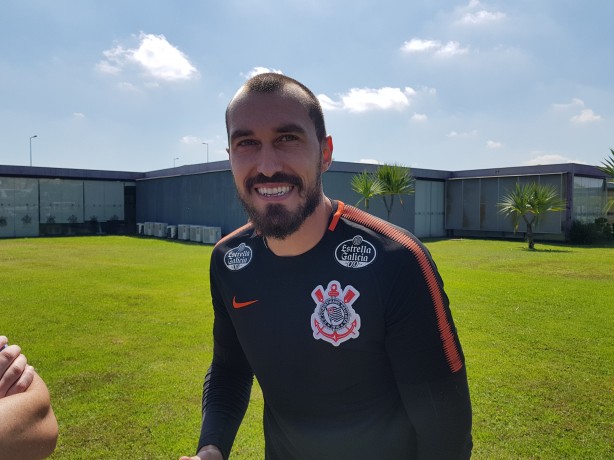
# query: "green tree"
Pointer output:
{"type": "Point", "coordinates": [367, 186]}
{"type": "Point", "coordinates": [608, 168]}
{"type": "Point", "coordinates": [530, 202]}
{"type": "Point", "coordinates": [396, 180]}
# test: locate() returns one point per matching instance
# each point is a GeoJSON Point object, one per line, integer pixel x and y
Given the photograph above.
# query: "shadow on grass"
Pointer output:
{"type": "Point", "coordinates": [561, 246]}
{"type": "Point", "coordinates": [546, 250]}
{"type": "Point", "coordinates": [170, 240]}
{"type": "Point", "coordinates": [566, 247]}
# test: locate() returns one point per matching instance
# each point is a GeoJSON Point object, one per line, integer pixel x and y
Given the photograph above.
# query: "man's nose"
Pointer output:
{"type": "Point", "coordinates": [269, 161]}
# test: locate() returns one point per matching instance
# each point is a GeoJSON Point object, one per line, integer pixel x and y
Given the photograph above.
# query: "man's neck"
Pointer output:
{"type": "Point", "coordinates": [307, 236]}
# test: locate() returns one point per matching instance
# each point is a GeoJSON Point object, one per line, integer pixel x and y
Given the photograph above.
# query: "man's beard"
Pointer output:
{"type": "Point", "coordinates": [276, 221]}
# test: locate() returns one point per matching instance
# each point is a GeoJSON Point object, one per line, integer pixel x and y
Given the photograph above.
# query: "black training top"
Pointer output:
{"type": "Point", "coordinates": [352, 343]}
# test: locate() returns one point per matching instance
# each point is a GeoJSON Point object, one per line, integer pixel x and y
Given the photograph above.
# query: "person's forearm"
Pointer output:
{"type": "Point", "coordinates": [29, 428]}
{"type": "Point", "coordinates": [209, 452]}
{"type": "Point", "coordinates": [225, 400]}
{"type": "Point", "coordinates": [440, 412]}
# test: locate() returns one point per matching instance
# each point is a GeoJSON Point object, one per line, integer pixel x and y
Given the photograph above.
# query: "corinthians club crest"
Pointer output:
{"type": "Point", "coordinates": [334, 320]}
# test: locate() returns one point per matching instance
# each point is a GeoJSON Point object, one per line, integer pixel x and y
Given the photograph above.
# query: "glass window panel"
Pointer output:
{"type": "Point", "coordinates": [589, 198]}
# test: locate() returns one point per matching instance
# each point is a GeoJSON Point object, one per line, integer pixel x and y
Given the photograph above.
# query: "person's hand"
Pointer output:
{"type": "Point", "coordinates": [15, 373]}
{"type": "Point", "coordinates": [206, 453]}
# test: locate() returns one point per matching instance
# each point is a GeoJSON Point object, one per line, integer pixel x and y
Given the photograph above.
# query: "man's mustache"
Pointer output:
{"type": "Point", "coordinates": [280, 178]}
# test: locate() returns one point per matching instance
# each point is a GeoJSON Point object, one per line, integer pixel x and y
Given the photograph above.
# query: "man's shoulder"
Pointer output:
{"type": "Point", "coordinates": [358, 218]}
{"type": "Point", "coordinates": [235, 238]}
{"type": "Point", "coordinates": [392, 239]}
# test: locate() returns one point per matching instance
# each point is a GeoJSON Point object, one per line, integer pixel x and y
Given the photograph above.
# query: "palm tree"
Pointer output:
{"type": "Point", "coordinates": [530, 201]}
{"type": "Point", "coordinates": [367, 186]}
{"type": "Point", "coordinates": [608, 168]}
{"type": "Point", "coordinates": [396, 180]}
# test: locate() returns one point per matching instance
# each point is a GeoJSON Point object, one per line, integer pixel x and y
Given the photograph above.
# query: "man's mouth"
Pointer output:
{"type": "Point", "coordinates": [274, 191]}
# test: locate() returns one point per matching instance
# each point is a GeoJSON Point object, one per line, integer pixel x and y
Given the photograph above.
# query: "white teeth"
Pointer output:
{"type": "Point", "coordinates": [273, 191]}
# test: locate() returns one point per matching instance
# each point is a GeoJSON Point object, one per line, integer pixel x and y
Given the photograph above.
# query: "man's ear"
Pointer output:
{"type": "Point", "coordinates": [327, 153]}
{"type": "Point", "coordinates": [228, 150]}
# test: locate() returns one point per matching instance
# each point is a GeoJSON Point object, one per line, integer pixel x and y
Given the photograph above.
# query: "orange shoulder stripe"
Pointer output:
{"type": "Point", "coordinates": [450, 349]}
{"type": "Point", "coordinates": [336, 216]}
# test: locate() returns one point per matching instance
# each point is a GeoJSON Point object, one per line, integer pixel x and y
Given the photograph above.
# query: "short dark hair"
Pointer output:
{"type": "Point", "coordinates": [276, 83]}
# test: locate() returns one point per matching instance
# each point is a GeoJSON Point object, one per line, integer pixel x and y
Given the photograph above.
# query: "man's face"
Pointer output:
{"type": "Point", "coordinates": [276, 161]}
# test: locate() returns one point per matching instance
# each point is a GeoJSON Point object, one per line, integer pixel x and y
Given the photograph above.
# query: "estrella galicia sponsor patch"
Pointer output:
{"type": "Point", "coordinates": [237, 258]}
{"type": "Point", "coordinates": [334, 320]}
{"type": "Point", "coordinates": [355, 253]}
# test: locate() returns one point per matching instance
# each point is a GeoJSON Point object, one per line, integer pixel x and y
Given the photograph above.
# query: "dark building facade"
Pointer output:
{"type": "Point", "coordinates": [38, 201]}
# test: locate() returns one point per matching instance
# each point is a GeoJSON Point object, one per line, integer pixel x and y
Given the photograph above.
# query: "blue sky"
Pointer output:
{"type": "Point", "coordinates": [140, 85]}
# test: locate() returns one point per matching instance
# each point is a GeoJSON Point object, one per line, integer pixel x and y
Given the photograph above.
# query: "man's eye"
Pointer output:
{"type": "Point", "coordinates": [246, 142]}
{"type": "Point", "coordinates": [288, 138]}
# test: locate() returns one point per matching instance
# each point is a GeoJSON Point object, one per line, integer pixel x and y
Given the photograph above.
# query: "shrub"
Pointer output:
{"type": "Point", "coordinates": [590, 232]}
{"type": "Point", "coordinates": [604, 228]}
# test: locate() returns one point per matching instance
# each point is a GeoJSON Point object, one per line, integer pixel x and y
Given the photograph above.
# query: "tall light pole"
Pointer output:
{"type": "Point", "coordinates": [175, 159]}
{"type": "Point", "coordinates": [31, 137]}
{"type": "Point", "coordinates": [207, 151]}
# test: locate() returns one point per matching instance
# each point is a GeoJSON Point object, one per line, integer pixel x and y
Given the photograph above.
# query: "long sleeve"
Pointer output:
{"type": "Point", "coordinates": [428, 362]}
{"type": "Point", "coordinates": [440, 412]}
{"type": "Point", "coordinates": [227, 385]}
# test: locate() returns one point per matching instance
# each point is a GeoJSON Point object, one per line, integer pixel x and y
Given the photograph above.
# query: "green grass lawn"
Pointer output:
{"type": "Point", "coordinates": [120, 329]}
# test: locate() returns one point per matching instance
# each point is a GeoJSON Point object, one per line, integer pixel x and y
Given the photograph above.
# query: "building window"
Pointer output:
{"type": "Point", "coordinates": [589, 198]}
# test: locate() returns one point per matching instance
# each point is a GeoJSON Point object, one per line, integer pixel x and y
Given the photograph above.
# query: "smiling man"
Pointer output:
{"type": "Point", "coordinates": [341, 316]}
{"type": "Point", "coordinates": [277, 156]}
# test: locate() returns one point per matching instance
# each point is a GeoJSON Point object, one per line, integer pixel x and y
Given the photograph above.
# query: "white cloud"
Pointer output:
{"type": "Point", "coordinates": [482, 17]}
{"type": "Point", "coordinates": [463, 134]}
{"type": "Point", "coordinates": [191, 140]}
{"type": "Point", "coordinates": [125, 86]}
{"type": "Point", "coordinates": [416, 45]}
{"type": "Point", "coordinates": [258, 70]}
{"type": "Point", "coordinates": [369, 161]}
{"type": "Point", "coordinates": [328, 104]}
{"type": "Point", "coordinates": [107, 67]}
{"type": "Point", "coordinates": [419, 117]}
{"type": "Point", "coordinates": [575, 102]}
{"type": "Point", "coordinates": [451, 49]}
{"type": "Point", "coordinates": [78, 115]}
{"type": "Point", "coordinates": [549, 159]}
{"type": "Point", "coordinates": [163, 60]}
{"type": "Point", "coordinates": [469, 15]}
{"type": "Point", "coordinates": [154, 55]}
{"type": "Point", "coordinates": [586, 116]}
{"type": "Point", "coordinates": [494, 144]}
{"type": "Point", "coordinates": [365, 99]}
